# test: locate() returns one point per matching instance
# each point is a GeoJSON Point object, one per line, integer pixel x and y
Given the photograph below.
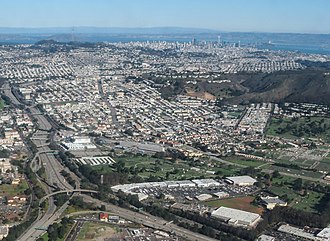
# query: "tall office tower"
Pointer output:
{"type": "Point", "coordinates": [193, 41]}
{"type": "Point", "coordinates": [72, 35]}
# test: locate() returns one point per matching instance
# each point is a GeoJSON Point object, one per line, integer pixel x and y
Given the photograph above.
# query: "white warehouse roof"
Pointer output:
{"type": "Point", "coordinates": [241, 180]}
{"type": "Point", "coordinates": [325, 233]}
{"type": "Point", "coordinates": [236, 216]}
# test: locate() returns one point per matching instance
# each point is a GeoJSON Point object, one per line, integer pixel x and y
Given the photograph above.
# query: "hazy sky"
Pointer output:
{"type": "Point", "coordinates": [310, 16]}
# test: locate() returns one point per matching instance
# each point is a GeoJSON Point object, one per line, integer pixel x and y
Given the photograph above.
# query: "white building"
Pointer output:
{"type": "Point", "coordinates": [324, 234]}
{"type": "Point", "coordinates": [271, 202]}
{"type": "Point", "coordinates": [206, 183]}
{"type": "Point", "coordinates": [241, 180]}
{"type": "Point", "coordinates": [203, 197]}
{"type": "Point", "coordinates": [236, 217]}
{"type": "Point", "coordinates": [221, 194]}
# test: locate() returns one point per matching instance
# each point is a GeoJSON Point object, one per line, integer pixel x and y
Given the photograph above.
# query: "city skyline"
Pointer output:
{"type": "Point", "coordinates": [239, 16]}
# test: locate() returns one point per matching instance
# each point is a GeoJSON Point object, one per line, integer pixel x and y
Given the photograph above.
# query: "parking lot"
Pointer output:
{"type": "Point", "coordinates": [142, 234]}
{"type": "Point", "coordinates": [279, 236]}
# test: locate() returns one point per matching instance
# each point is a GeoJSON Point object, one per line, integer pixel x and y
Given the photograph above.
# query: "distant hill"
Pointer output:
{"type": "Point", "coordinates": [310, 85]}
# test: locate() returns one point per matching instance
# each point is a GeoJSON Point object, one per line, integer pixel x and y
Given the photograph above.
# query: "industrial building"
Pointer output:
{"type": "Point", "coordinates": [236, 217]}
{"type": "Point", "coordinates": [221, 194]}
{"type": "Point", "coordinates": [241, 180]}
{"type": "Point", "coordinates": [298, 232]}
{"type": "Point", "coordinates": [271, 202]}
{"type": "Point", "coordinates": [203, 197]}
{"type": "Point", "coordinates": [324, 234]}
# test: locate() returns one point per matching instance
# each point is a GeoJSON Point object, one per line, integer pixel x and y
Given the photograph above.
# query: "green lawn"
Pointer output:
{"type": "Point", "coordinates": [93, 231]}
{"type": "Point", "coordinates": [72, 209]}
{"type": "Point", "coordinates": [313, 127]}
{"type": "Point", "coordinates": [244, 161]}
{"type": "Point", "coordinates": [282, 179]}
{"type": "Point", "coordinates": [308, 202]}
{"type": "Point", "coordinates": [177, 170]}
{"type": "Point", "coordinates": [296, 172]}
{"type": "Point", "coordinates": [281, 191]}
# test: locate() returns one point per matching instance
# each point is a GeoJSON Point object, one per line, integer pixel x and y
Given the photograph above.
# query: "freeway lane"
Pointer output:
{"type": "Point", "coordinates": [32, 233]}
{"type": "Point", "coordinates": [7, 92]}
{"type": "Point", "coordinates": [49, 218]}
{"type": "Point", "coordinates": [41, 119]}
{"type": "Point", "coordinates": [150, 221]}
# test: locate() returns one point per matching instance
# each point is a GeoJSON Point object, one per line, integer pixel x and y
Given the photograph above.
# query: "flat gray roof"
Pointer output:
{"type": "Point", "coordinates": [242, 179]}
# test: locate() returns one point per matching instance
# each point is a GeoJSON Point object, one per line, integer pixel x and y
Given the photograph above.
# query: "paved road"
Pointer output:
{"type": "Point", "coordinates": [74, 232]}
{"type": "Point", "coordinates": [53, 168]}
{"type": "Point", "coordinates": [31, 233]}
{"type": "Point", "coordinates": [41, 119]}
{"type": "Point", "coordinates": [112, 109]}
{"type": "Point", "coordinates": [48, 218]}
{"type": "Point", "coordinates": [150, 221]}
{"type": "Point", "coordinates": [66, 191]}
{"type": "Point", "coordinates": [7, 91]}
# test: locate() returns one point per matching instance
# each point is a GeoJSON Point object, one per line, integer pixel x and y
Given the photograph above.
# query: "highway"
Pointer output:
{"type": "Point", "coordinates": [41, 119]}
{"type": "Point", "coordinates": [37, 229]}
{"type": "Point", "coordinates": [46, 157]}
{"type": "Point", "coordinates": [7, 92]}
{"type": "Point", "coordinates": [149, 220]}
{"type": "Point", "coordinates": [72, 235]}
{"type": "Point", "coordinates": [66, 191]}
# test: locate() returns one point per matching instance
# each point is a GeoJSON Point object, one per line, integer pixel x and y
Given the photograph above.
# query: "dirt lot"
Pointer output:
{"type": "Point", "coordinates": [242, 203]}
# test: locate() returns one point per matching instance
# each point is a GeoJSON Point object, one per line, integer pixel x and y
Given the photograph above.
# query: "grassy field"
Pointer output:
{"type": "Point", "coordinates": [244, 161]}
{"type": "Point", "coordinates": [96, 231]}
{"type": "Point", "coordinates": [282, 191]}
{"type": "Point", "coordinates": [70, 209]}
{"type": "Point", "coordinates": [12, 190]}
{"type": "Point", "coordinates": [303, 127]}
{"type": "Point", "coordinates": [296, 172]}
{"type": "Point", "coordinates": [307, 203]}
{"type": "Point", "coordinates": [242, 203]}
{"type": "Point", "coordinates": [282, 179]}
{"type": "Point", "coordinates": [177, 170]}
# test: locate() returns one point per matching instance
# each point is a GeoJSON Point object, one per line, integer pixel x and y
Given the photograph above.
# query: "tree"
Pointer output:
{"type": "Point", "coordinates": [276, 174]}
{"type": "Point", "coordinates": [297, 184]}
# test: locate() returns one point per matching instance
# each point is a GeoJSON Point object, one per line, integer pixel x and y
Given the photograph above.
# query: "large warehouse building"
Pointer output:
{"type": "Point", "coordinates": [236, 217]}
{"type": "Point", "coordinates": [241, 180]}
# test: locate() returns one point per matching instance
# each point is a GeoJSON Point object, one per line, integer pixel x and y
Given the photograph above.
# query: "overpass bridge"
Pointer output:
{"type": "Point", "coordinates": [65, 191]}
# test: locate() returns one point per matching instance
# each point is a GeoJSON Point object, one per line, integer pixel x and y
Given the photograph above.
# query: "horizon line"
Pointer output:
{"type": "Point", "coordinates": [162, 27]}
